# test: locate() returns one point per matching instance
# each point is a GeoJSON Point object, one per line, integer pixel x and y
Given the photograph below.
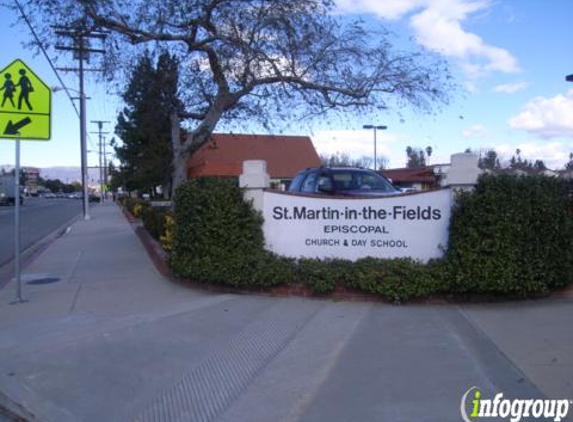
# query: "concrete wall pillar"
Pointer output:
{"type": "Point", "coordinates": [463, 173]}
{"type": "Point", "coordinates": [254, 181]}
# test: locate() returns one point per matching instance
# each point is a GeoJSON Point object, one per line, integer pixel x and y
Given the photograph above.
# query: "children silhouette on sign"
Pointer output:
{"type": "Point", "coordinates": [9, 89]}
{"type": "Point", "coordinates": [25, 89]}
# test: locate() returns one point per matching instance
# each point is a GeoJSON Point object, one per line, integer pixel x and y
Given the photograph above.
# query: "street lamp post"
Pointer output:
{"type": "Point", "coordinates": [569, 78]}
{"type": "Point", "coordinates": [375, 128]}
{"type": "Point", "coordinates": [84, 153]}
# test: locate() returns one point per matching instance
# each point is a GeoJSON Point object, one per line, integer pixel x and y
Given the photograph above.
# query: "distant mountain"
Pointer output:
{"type": "Point", "coordinates": [69, 174]}
{"type": "Point", "coordinates": [65, 174]}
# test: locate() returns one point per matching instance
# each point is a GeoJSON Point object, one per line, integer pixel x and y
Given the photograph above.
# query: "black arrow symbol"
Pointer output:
{"type": "Point", "coordinates": [14, 129]}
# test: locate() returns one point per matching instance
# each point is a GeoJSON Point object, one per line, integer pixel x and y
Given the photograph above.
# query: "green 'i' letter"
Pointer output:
{"type": "Point", "coordinates": [475, 410]}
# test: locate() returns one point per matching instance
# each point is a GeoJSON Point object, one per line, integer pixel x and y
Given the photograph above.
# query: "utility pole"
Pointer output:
{"type": "Point", "coordinates": [100, 133]}
{"type": "Point", "coordinates": [81, 36]}
{"type": "Point", "coordinates": [104, 161]}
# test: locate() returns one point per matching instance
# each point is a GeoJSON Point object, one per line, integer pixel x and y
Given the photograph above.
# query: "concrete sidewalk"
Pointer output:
{"type": "Point", "coordinates": [110, 339]}
{"type": "Point", "coordinates": [98, 280]}
{"type": "Point", "coordinates": [101, 269]}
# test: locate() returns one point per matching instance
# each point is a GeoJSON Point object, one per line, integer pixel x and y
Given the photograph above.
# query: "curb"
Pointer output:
{"type": "Point", "coordinates": [13, 411]}
{"type": "Point", "coordinates": [28, 255]}
{"type": "Point", "coordinates": [159, 258]}
{"type": "Point", "coordinates": [152, 247]}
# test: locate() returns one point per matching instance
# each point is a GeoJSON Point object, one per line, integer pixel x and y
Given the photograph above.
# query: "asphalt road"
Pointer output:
{"type": "Point", "coordinates": [38, 218]}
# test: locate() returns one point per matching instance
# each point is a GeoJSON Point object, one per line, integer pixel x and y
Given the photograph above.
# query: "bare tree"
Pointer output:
{"type": "Point", "coordinates": [257, 59]}
{"type": "Point", "coordinates": [344, 160]}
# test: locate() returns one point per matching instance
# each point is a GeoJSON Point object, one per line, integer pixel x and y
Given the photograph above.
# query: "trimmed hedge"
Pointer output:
{"type": "Point", "coordinates": [218, 238]}
{"type": "Point", "coordinates": [154, 219]}
{"type": "Point", "coordinates": [129, 203]}
{"type": "Point", "coordinates": [512, 236]}
{"type": "Point", "coordinates": [397, 280]}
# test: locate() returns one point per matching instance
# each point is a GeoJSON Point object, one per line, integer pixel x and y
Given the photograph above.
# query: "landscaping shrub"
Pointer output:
{"type": "Point", "coordinates": [129, 203]}
{"type": "Point", "coordinates": [218, 237]}
{"type": "Point", "coordinates": [397, 279]}
{"type": "Point", "coordinates": [167, 238]}
{"type": "Point", "coordinates": [323, 276]}
{"type": "Point", "coordinates": [513, 235]}
{"type": "Point", "coordinates": [154, 220]}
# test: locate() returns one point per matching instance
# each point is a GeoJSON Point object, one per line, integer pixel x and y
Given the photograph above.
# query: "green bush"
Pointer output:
{"type": "Point", "coordinates": [218, 237]}
{"type": "Point", "coordinates": [323, 276]}
{"type": "Point", "coordinates": [129, 203]}
{"type": "Point", "coordinates": [397, 279]}
{"type": "Point", "coordinates": [154, 219]}
{"type": "Point", "coordinates": [513, 235]}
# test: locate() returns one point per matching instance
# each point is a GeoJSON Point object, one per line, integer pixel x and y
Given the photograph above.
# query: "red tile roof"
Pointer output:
{"type": "Point", "coordinates": [411, 175]}
{"type": "Point", "coordinates": [224, 154]}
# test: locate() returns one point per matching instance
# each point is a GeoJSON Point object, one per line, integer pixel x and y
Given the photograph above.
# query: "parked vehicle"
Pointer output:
{"type": "Point", "coordinates": [7, 196]}
{"type": "Point", "coordinates": [94, 198]}
{"type": "Point", "coordinates": [342, 181]}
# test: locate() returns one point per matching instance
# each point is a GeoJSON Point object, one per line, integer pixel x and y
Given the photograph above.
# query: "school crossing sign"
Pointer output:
{"type": "Point", "coordinates": [25, 104]}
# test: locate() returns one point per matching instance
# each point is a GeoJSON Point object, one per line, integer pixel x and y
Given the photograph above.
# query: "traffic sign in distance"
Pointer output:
{"type": "Point", "coordinates": [25, 104]}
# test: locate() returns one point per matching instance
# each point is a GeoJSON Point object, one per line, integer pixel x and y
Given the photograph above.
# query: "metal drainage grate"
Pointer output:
{"type": "Point", "coordinates": [45, 280]}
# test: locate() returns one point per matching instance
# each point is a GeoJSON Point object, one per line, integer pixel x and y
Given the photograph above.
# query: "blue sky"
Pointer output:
{"type": "Point", "coordinates": [509, 57]}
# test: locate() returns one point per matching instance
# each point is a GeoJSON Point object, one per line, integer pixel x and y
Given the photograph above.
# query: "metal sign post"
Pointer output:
{"type": "Point", "coordinates": [17, 273]}
{"type": "Point", "coordinates": [25, 113]}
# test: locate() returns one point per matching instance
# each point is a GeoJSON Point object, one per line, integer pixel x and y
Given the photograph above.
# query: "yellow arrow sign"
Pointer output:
{"type": "Point", "coordinates": [25, 104]}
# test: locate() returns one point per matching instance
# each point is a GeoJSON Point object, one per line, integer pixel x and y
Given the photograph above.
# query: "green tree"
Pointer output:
{"type": "Point", "coordinates": [144, 125]}
{"type": "Point", "coordinates": [55, 185]}
{"type": "Point", "coordinates": [539, 165]}
{"type": "Point", "coordinates": [260, 61]}
{"type": "Point", "coordinates": [416, 157]}
{"type": "Point", "coordinates": [429, 151]}
{"type": "Point", "coordinates": [489, 160]}
{"type": "Point", "coordinates": [569, 165]}
{"type": "Point", "coordinates": [116, 177]}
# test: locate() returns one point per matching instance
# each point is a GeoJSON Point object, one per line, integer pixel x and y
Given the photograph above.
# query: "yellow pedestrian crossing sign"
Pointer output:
{"type": "Point", "coordinates": [25, 104]}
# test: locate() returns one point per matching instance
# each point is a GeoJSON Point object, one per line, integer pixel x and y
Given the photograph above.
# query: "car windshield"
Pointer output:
{"type": "Point", "coordinates": [347, 180]}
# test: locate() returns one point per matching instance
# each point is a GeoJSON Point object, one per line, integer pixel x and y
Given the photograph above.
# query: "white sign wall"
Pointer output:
{"type": "Point", "coordinates": [413, 225]}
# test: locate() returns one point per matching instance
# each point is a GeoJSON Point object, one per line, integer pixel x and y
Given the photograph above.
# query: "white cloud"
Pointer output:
{"type": "Point", "coordinates": [476, 131]}
{"type": "Point", "coordinates": [388, 9]}
{"type": "Point", "coordinates": [553, 154]}
{"type": "Point", "coordinates": [547, 117]}
{"type": "Point", "coordinates": [437, 25]}
{"type": "Point", "coordinates": [511, 88]}
{"type": "Point", "coordinates": [355, 143]}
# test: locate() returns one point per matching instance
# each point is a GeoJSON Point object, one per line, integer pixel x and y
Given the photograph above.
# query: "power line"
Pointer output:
{"type": "Point", "coordinates": [25, 17]}
{"type": "Point", "coordinates": [81, 36]}
{"type": "Point", "coordinates": [49, 60]}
